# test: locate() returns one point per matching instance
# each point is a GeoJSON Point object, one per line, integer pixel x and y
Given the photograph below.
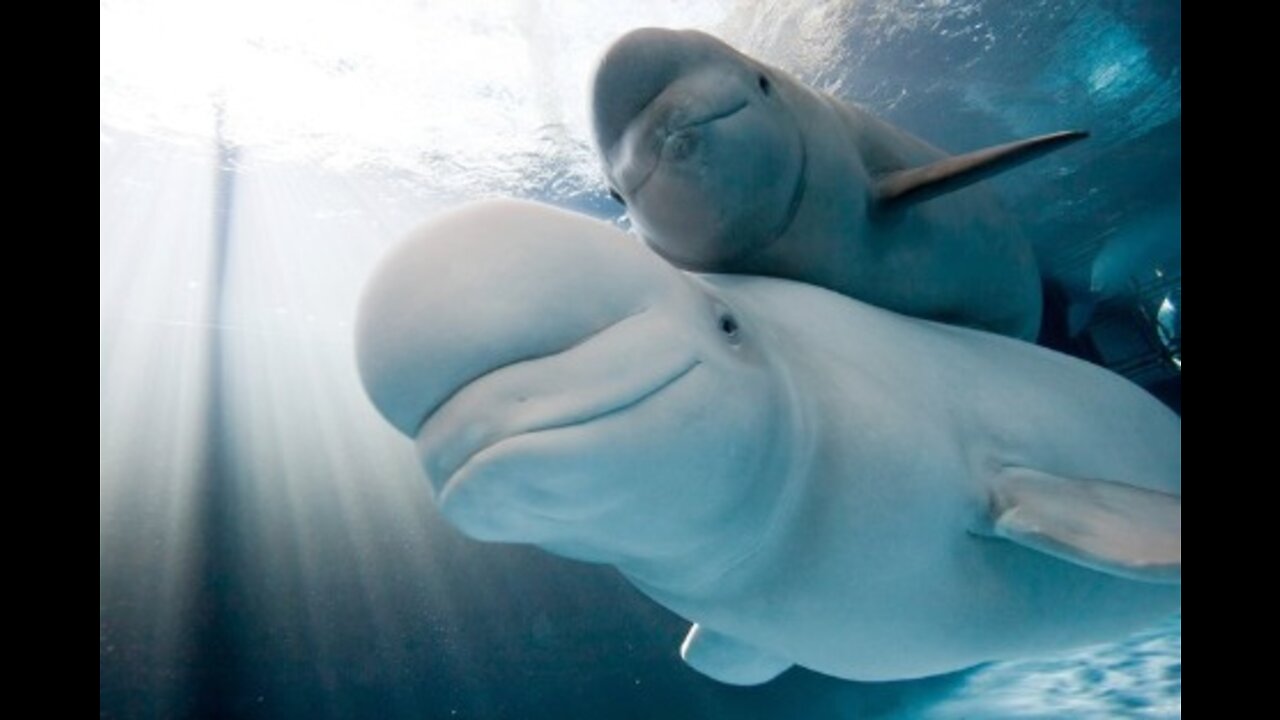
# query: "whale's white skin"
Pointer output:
{"type": "Point", "coordinates": [810, 479]}
{"type": "Point", "coordinates": [729, 165]}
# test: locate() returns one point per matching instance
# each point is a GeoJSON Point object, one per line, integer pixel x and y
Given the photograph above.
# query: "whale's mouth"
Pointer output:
{"type": "Point", "coordinates": [447, 479]}
{"type": "Point", "coordinates": [709, 117]}
{"type": "Point", "coordinates": [609, 372]}
{"type": "Point", "coordinates": [673, 132]}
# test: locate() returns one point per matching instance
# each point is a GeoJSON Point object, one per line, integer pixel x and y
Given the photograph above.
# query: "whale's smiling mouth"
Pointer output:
{"type": "Point", "coordinates": [446, 478]}
{"type": "Point", "coordinates": [609, 372]}
{"type": "Point", "coordinates": [710, 117]}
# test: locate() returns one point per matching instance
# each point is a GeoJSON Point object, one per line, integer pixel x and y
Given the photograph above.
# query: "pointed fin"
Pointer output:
{"type": "Point", "coordinates": [723, 658]}
{"type": "Point", "coordinates": [1113, 528]}
{"type": "Point", "coordinates": [916, 185]}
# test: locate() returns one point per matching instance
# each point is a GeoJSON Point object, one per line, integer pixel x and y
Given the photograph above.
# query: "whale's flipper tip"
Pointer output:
{"type": "Point", "coordinates": [916, 185]}
{"type": "Point", "coordinates": [729, 660]}
{"type": "Point", "coordinates": [1118, 529]}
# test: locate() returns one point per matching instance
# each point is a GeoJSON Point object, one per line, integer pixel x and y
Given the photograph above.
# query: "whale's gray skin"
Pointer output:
{"type": "Point", "coordinates": [810, 479]}
{"type": "Point", "coordinates": [729, 165]}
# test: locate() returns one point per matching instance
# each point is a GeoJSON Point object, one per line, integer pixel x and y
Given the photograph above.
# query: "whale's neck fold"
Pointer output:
{"type": "Point", "coordinates": [718, 558]}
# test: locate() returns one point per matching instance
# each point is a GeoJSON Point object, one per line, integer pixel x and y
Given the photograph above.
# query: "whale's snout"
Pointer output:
{"type": "Point", "coordinates": [634, 71]}
{"type": "Point", "coordinates": [592, 380]}
{"type": "Point", "coordinates": [653, 95]}
{"type": "Point", "coordinates": [530, 353]}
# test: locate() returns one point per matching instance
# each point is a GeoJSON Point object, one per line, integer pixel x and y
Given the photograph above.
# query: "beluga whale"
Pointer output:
{"type": "Point", "coordinates": [808, 479]}
{"type": "Point", "coordinates": [728, 165]}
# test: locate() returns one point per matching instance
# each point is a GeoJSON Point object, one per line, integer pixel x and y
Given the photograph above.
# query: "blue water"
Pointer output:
{"type": "Point", "coordinates": [267, 545]}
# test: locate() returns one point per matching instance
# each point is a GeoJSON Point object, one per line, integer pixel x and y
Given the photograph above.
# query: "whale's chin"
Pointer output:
{"type": "Point", "coordinates": [522, 489]}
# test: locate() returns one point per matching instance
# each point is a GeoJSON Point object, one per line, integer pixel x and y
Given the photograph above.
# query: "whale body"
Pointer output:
{"type": "Point", "coordinates": [728, 165]}
{"type": "Point", "coordinates": [809, 479]}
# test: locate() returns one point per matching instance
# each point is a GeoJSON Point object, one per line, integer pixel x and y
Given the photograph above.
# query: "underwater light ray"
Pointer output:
{"type": "Point", "coordinates": [318, 474]}
{"type": "Point", "coordinates": [155, 275]}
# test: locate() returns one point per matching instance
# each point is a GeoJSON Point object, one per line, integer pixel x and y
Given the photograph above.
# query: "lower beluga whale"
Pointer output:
{"type": "Point", "coordinates": [808, 479]}
{"type": "Point", "coordinates": [729, 165]}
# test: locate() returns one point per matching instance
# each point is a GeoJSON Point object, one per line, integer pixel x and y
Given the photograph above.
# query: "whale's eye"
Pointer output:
{"type": "Point", "coordinates": [763, 82]}
{"type": "Point", "coordinates": [617, 196]}
{"type": "Point", "coordinates": [729, 326]}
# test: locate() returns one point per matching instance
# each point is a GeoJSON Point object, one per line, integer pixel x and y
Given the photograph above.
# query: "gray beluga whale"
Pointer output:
{"type": "Point", "coordinates": [728, 165]}
{"type": "Point", "coordinates": [810, 479]}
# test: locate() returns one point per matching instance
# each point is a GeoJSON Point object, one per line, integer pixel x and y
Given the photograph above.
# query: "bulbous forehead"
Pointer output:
{"type": "Point", "coordinates": [640, 64]}
{"type": "Point", "coordinates": [494, 282]}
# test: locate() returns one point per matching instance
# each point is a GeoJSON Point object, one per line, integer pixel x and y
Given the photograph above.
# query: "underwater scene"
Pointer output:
{"type": "Point", "coordinates": [664, 359]}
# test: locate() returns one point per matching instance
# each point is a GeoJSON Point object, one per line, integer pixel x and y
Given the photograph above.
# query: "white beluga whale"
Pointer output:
{"type": "Point", "coordinates": [810, 479]}
{"type": "Point", "coordinates": [728, 165]}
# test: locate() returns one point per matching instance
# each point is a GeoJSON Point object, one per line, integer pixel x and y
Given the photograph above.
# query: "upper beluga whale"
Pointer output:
{"type": "Point", "coordinates": [728, 165]}
{"type": "Point", "coordinates": [810, 479]}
